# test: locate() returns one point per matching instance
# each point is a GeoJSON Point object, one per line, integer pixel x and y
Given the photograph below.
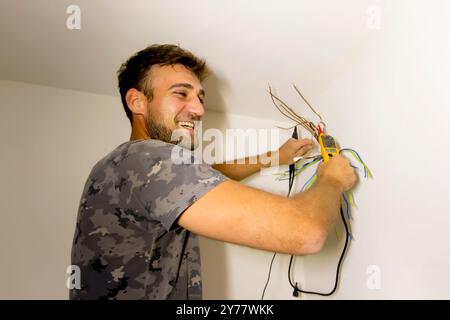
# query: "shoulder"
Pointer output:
{"type": "Point", "coordinates": [148, 148]}
{"type": "Point", "coordinates": [136, 151]}
{"type": "Point", "coordinates": [145, 145]}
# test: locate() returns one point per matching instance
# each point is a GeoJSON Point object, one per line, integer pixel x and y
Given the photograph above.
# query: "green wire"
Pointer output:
{"type": "Point", "coordinates": [369, 173]}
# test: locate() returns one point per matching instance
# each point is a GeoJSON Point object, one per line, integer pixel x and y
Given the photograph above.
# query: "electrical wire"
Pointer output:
{"type": "Point", "coordinates": [268, 276]}
{"type": "Point", "coordinates": [294, 286]}
{"type": "Point", "coordinates": [297, 290]}
{"type": "Point", "coordinates": [348, 237]}
{"type": "Point", "coordinates": [284, 109]}
{"type": "Point", "coordinates": [306, 101]}
{"type": "Point", "coordinates": [367, 172]}
{"type": "Point", "coordinates": [292, 166]}
{"type": "Point", "coordinates": [298, 169]}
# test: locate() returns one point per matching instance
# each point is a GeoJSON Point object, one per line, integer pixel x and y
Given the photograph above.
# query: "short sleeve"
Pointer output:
{"type": "Point", "coordinates": [171, 187]}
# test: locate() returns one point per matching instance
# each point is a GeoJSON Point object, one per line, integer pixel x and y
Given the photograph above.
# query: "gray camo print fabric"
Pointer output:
{"type": "Point", "coordinates": [127, 242]}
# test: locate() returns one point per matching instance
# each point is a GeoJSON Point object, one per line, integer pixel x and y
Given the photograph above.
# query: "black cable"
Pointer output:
{"type": "Point", "coordinates": [268, 277]}
{"type": "Point", "coordinates": [297, 289]}
{"type": "Point", "coordinates": [292, 166]}
{"type": "Point", "coordinates": [291, 182]}
{"type": "Point", "coordinates": [294, 286]}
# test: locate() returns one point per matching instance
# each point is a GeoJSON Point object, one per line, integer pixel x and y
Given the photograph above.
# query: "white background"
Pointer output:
{"type": "Point", "coordinates": [383, 91]}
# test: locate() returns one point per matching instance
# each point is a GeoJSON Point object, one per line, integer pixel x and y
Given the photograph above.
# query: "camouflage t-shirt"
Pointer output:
{"type": "Point", "coordinates": [127, 243]}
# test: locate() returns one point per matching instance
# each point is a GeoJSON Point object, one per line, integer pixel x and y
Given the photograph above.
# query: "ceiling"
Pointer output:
{"type": "Point", "coordinates": [247, 43]}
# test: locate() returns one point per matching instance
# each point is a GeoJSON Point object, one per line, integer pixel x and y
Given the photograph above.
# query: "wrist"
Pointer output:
{"type": "Point", "coordinates": [331, 182]}
{"type": "Point", "coordinates": [269, 159]}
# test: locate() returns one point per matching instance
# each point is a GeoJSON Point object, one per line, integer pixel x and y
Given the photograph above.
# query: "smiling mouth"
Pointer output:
{"type": "Point", "coordinates": [187, 125]}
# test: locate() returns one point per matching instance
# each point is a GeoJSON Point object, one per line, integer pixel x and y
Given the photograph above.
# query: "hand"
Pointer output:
{"type": "Point", "coordinates": [293, 148]}
{"type": "Point", "coordinates": [338, 171]}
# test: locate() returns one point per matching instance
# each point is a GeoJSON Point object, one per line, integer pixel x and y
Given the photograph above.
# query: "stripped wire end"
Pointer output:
{"type": "Point", "coordinates": [356, 156]}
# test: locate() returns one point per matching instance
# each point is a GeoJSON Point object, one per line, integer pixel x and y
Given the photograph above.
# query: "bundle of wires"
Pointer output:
{"type": "Point", "coordinates": [294, 170]}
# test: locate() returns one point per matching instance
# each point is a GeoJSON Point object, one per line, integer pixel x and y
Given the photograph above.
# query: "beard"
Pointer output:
{"type": "Point", "coordinates": [157, 130]}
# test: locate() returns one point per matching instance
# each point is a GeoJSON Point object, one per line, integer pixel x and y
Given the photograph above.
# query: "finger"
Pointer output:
{"type": "Point", "coordinates": [302, 150]}
{"type": "Point", "coordinates": [303, 142]}
{"type": "Point", "coordinates": [306, 141]}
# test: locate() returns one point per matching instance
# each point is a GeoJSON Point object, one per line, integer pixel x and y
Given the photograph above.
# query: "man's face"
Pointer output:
{"type": "Point", "coordinates": [177, 102]}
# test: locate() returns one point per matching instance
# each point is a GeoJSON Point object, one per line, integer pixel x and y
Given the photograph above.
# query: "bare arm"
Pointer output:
{"type": "Point", "coordinates": [242, 168]}
{"type": "Point", "coordinates": [239, 214]}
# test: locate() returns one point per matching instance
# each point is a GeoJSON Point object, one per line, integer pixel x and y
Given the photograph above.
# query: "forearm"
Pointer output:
{"type": "Point", "coordinates": [245, 167]}
{"type": "Point", "coordinates": [321, 202]}
{"type": "Point", "coordinates": [242, 168]}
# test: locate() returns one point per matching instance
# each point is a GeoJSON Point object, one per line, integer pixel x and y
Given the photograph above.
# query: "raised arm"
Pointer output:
{"type": "Point", "coordinates": [240, 214]}
{"type": "Point", "coordinates": [242, 168]}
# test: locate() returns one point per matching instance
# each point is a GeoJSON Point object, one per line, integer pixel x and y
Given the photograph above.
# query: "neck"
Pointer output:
{"type": "Point", "coordinates": [138, 131]}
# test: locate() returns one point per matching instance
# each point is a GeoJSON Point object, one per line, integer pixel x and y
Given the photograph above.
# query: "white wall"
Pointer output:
{"type": "Point", "coordinates": [390, 104]}
{"type": "Point", "coordinates": [51, 138]}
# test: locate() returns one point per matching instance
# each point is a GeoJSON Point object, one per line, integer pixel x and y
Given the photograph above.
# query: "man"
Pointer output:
{"type": "Point", "coordinates": [140, 212]}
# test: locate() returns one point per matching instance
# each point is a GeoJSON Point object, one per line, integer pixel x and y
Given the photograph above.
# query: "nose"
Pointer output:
{"type": "Point", "coordinates": [196, 109]}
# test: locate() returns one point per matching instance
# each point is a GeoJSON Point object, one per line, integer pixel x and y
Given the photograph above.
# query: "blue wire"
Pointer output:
{"type": "Point", "coordinates": [356, 153]}
{"type": "Point", "coordinates": [308, 181]}
{"type": "Point", "coordinates": [306, 164]}
{"type": "Point", "coordinates": [298, 170]}
{"type": "Point", "coordinates": [348, 149]}
{"type": "Point", "coordinates": [311, 177]}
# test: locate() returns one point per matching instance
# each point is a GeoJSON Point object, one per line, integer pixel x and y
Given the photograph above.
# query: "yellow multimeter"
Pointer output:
{"type": "Point", "coordinates": [328, 146]}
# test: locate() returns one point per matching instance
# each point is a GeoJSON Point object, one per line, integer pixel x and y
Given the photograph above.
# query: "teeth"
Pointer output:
{"type": "Point", "coordinates": [187, 124]}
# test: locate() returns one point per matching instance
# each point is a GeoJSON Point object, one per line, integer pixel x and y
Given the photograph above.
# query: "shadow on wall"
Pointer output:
{"type": "Point", "coordinates": [215, 276]}
{"type": "Point", "coordinates": [319, 270]}
{"type": "Point", "coordinates": [214, 86]}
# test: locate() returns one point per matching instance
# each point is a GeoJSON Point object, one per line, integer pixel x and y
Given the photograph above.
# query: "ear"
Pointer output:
{"type": "Point", "coordinates": [136, 101]}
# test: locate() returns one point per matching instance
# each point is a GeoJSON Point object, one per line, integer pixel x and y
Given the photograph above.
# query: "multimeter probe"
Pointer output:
{"type": "Point", "coordinates": [328, 149]}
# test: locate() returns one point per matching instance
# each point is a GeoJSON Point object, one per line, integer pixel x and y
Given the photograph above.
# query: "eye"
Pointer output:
{"type": "Point", "coordinates": [201, 99]}
{"type": "Point", "coordinates": [181, 94]}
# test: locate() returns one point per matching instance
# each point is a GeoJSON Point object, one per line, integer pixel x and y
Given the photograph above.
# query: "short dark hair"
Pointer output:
{"type": "Point", "coordinates": [134, 72]}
